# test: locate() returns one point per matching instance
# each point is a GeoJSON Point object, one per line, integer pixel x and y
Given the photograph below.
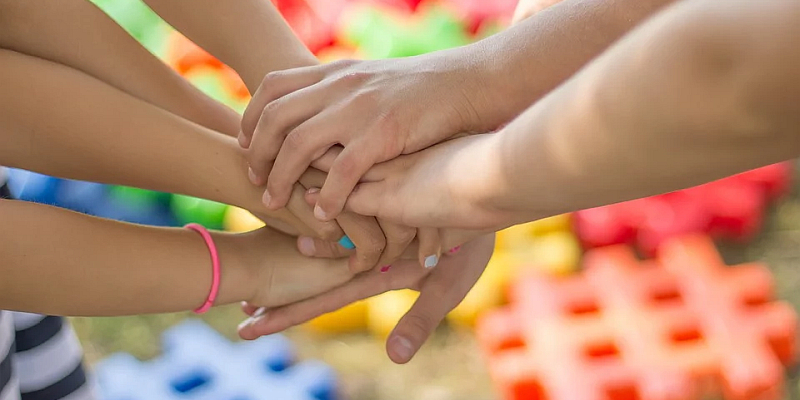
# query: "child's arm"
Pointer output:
{"type": "Point", "coordinates": [78, 34]}
{"type": "Point", "coordinates": [94, 132]}
{"type": "Point", "coordinates": [248, 35]}
{"type": "Point", "coordinates": [63, 263]}
{"type": "Point", "coordinates": [109, 54]}
{"type": "Point", "coordinates": [704, 90]}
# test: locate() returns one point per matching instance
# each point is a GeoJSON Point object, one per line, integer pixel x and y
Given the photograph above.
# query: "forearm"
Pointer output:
{"type": "Point", "coordinates": [526, 61]}
{"type": "Point", "coordinates": [703, 91]}
{"type": "Point", "coordinates": [63, 263]}
{"type": "Point", "coordinates": [108, 53]}
{"type": "Point", "coordinates": [248, 35]}
{"type": "Point", "coordinates": [94, 132]}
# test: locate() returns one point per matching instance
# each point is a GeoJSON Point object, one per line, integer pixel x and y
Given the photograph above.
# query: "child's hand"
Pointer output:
{"type": "Point", "coordinates": [377, 110]}
{"type": "Point", "coordinates": [441, 291]}
{"type": "Point", "coordinates": [282, 274]}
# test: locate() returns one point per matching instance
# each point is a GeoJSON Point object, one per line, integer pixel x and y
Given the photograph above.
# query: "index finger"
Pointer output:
{"type": "Point", "coordinates": [274, 86]}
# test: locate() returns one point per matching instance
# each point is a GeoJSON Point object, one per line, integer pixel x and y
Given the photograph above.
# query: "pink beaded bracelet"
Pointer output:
{"type": "Point", "coordinates": [215, 272]}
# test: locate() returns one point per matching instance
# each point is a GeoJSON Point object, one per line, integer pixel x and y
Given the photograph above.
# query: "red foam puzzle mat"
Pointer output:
{"type": "Point", "coordinates": [732, 208]}
{"type": "Point", "coordinates": [680, 327]}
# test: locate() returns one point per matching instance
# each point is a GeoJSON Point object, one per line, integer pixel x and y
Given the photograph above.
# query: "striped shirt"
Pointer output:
{"type": "Point", "coordinates": [40, 356]}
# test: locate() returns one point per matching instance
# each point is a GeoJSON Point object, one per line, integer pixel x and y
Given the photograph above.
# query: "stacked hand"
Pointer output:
{"type": "Point", "coordinates": [390, 136]}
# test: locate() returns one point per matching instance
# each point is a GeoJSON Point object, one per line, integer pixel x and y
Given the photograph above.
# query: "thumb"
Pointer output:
{"type": "Point", "coordinates": [416, 327]}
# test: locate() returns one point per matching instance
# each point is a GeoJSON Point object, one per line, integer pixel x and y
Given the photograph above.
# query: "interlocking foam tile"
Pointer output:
{"type": "Point", "coordinates": [677, 328]}
{"type": "Point", "coordinates": [732, 208]}
{"type": "Point", "coordinates": [198, 364]}
{"type": "Point", "coordinates": [556, 253]}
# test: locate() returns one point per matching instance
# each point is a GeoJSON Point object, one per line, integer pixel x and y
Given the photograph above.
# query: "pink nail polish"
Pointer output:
{"type": "Point", "coordinates": [385, 269]}
{"type": "Point", "coordinates": [454, 250]}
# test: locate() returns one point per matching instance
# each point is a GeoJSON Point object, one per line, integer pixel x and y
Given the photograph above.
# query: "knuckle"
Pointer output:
{"type": "Point", "coordinates": [402, 237]}
{"type": "Point", "coordinates": [354, 77]}
{"type": "Point", "coordinates": [347, 167]}
{"type": "Point", "coordinates": [329, 232]}
{"type": "Point", "coordinates": [295, 140]}
{"type": "Point", "coordinates": [270, 79]}
{"type": "Point", "coordinates": [377, 242]}
{"type": "Point", "coordinates": [271, 109]}
{"type": "Point", "coordinates": [419, 324]}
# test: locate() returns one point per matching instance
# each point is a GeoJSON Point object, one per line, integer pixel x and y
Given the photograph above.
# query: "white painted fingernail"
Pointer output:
{"type": "Point", "coordinates": [431, 261]}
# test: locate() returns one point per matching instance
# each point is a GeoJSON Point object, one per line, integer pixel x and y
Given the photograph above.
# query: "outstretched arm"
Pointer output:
{"type": "Point", "coordinates": [92, 131]}
{"type": "Point", "coordinates": [78, 34]}
{"type": "Point", "coordinates": [248, 35]}
{"type": "Point", "coordinates": [381, 109]}
{"type": "Point", "coordinates": [702, 91]}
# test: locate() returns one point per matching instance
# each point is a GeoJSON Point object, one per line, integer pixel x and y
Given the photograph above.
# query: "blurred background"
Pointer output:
{"type": "Point", "coordinates": [753, 217]}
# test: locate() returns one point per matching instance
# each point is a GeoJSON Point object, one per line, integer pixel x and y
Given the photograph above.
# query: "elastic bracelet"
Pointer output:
{"type": "Point", "coordinates": [215, 271]}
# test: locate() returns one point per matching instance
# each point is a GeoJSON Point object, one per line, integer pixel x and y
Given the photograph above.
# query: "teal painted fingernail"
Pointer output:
{"type": "Point", "coordinates": [431, 261]}
{"type": "Point", "coordinates": [346, 243]}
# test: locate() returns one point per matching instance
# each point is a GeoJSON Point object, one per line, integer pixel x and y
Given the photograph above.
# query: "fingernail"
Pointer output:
{"type": "Point", "coordinates": [242, 139]}
{"type": "Point", "coordinates": [346, 243]}
{"type": "Point", "coordinates": [385, 269]}
{"type": "Point", "coordinates": [266, 199]}
{"type": "Point", "coordinates": [454, 250]}
{"type": "Point", "coordinates": [431, 261]}
{"type": "Point", "coordinates": [402, 347]}
{"type": "Point", "coordinates": [257, 316]}
{"type": "Point", "coordinates": [313, 191]}
{"type": "Point", "coordinates": [306, 246]}
{"type": "Point", "coordinates": [252, 175]}
{"type": "Point", "coordinates": [320, 213]}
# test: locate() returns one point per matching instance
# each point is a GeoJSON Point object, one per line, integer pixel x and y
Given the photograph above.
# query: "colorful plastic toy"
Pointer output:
{"type": "Point", "coordinates": [140, 21]}
{"type": "Point", "coordinates": [731, 208]}
{"type": "Point", "coordinates": [383, 32]}
{"type": "Point", "coordinates": [30, 186]}
{"type": "Point", "coordinates": [204, 212]}
{"type": "Point", "coordinates": [670, 329]}
{"type": "Point", "coordinates": [479, 12]}
{"type": "Point", "coordinates": [556, 254]}
{"type": "Point", "coordinates": [239, 220]}
{"type": "Point", "coordinates": [314, 26]}
{"type": "Point", "coordinates": [198, 363]}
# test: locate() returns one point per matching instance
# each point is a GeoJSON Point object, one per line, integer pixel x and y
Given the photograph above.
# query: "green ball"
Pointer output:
{"type": "Point", "coordinates": [208, 213]}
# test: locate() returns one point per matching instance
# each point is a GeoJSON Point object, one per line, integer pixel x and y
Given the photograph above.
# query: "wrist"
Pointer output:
{"type": "Point", "coordinates": [497, 81]}
{"type": "Point", "coordinates": [238, 272]}
{"type": "Point", "coordinates": [479, 182]}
